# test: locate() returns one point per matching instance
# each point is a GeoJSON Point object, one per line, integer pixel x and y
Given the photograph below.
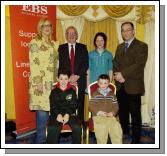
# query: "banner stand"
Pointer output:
{"type": "Point", "coordinates": [23, 27]}
{"type": "Point", "coordinates": [22, 135]}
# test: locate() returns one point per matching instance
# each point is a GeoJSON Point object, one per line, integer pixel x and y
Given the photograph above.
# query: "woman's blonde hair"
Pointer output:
{"type": "Point", "coordinates": [39, 28]}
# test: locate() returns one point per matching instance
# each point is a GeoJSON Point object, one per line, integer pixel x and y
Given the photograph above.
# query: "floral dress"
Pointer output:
{"type": "Point", "coordinates": [43, 59]}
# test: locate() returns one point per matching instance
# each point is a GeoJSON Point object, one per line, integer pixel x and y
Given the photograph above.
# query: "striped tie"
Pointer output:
{"type": "Point", "coordinates": [126, 47]}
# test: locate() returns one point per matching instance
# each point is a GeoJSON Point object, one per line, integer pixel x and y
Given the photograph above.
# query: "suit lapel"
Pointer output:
{"type": "Point", "coordinates": [131, 45]}
{"type": "Point", "coordinates": [129, 48]}
{"type": "Point", "coordinates": [76, 57]}
{"type": "Point", "coordinates": [122, 50]}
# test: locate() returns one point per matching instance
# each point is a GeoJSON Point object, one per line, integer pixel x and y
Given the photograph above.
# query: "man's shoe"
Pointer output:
{"type": "Point", "coordinates": [134, 142]}
{"type": "Point", "coordinates": [126, 132]}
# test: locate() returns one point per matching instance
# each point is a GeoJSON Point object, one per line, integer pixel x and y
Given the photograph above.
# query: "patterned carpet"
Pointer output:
{"type": "Point", "coordinates": [148, 137]}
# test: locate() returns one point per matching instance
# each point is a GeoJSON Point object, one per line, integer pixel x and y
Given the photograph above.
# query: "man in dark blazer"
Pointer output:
{"type": "Point", "coordinates": [128, 66]}
{"type": "Point", "coordinates": [73, 57]}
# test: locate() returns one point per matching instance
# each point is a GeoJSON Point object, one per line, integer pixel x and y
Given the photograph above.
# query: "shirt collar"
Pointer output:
{"type": "Point", "coordinates": [69, 45]}
{"type": "Point", "coordinates": [130, 41]}
{"type": "Point", "coordinates": [100, 53]}
{"type": "Point", "coordinates": [104, 92]}
{"type": "Point", "coordinates": [68, 86]}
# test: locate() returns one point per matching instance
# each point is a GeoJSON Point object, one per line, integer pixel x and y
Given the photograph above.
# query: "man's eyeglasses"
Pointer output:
{"type": "Point", "coordinates": [124, 31]}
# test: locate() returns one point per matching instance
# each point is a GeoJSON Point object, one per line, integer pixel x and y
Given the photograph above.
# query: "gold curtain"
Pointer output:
{"type": "Point", "coordinates": [144, 13]}
{"type": "Point", "coordinates": [108, 26]}
{"type": "Point", "coordinates": [73, 10]}
{"type": "Point", "coordinates": [117, 10]}
{"type": "Point", "coordinates": [140, 31]}
{"type": "Point", "coordinates": [59, 32]}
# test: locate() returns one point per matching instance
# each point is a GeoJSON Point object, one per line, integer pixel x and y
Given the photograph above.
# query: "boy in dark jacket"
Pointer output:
{"type": "Point", "coordinates": [63, 104]}
{"type": "Point", "coordinates": [104, 107]}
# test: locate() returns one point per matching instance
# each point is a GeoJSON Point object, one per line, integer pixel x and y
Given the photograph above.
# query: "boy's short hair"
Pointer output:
{"type": "Point", "coordinates": [64, 72]}
{"type": "Point", "coordinates": [104, 76]}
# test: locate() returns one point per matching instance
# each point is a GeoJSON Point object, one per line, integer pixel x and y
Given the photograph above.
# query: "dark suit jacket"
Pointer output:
{"type": "Point", "coordinates": [131, 64]}
{"type": "Point", "coordinates": [80, 63]}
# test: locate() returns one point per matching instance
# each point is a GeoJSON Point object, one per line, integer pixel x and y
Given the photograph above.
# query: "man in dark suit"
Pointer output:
{"type": "Point", "coordinates": [128, 66]}
{"type": "Point", "coordinates": [73, 57]}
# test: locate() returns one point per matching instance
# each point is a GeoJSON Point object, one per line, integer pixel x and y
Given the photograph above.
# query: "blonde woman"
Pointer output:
{"type": "Point", "coordinates": [43, 58]}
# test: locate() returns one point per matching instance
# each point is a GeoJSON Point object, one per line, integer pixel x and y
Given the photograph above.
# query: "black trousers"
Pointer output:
{"type": "Point", "coordinates": [54, 129]}
{"type": "Point", "coordinates": [80, 102]}
{"type": "Point", "coordinates": [130, 103]}
{"type": "Point", "coordinates": [81, 97]}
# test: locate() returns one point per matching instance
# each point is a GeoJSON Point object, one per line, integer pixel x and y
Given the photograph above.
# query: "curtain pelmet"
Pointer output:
{"type": "Point", "coordinates": [73, 10]}
{"type": "Point", "coordinates": [117, 10]}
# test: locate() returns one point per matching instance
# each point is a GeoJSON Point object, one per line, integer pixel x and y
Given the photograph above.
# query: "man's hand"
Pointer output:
{"type": "Point", "coordinates": [118, 77]}
{"type": "Point", "coordinates": [74, 78]}
{"type": "Point", "coordinates": [59, 118]}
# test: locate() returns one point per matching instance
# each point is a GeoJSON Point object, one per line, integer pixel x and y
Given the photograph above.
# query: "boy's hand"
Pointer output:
{"type": "Point", "coordinates": [65, 118]}
{"type": "Point", "coordinates": [110, 114]}
{"type": "Point", "coordinates": [59, 118]}
{"type": "Point", "coordinates": [101, 113]}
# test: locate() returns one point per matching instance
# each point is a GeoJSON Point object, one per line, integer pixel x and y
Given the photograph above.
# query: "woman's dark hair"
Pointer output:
{"type": "Point", "coordinates": [64, 72]}
{"type": "Point", "coordinates": [102, 35]}
{"type": "Point", "coordinates": [104, 77]}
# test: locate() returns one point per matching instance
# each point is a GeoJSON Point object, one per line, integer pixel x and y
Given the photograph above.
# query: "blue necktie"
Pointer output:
{"type": "Point", "coordinates": [126, 47]}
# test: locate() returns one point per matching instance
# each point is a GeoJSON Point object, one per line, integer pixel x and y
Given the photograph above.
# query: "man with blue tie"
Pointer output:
{"type": "Point", "coordinates": [128, 66]}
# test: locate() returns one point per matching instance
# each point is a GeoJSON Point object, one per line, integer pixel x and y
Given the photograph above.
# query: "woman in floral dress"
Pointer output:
{"type": "Point", "coordinates": [43, 56]}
